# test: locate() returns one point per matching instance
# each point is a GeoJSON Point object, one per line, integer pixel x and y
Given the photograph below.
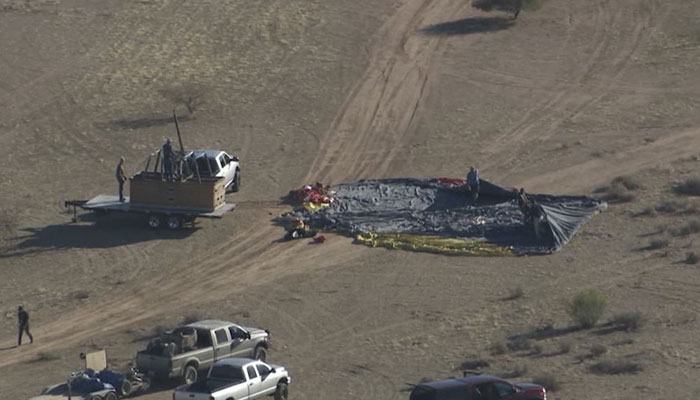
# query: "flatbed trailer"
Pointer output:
{"type": "Point", "coordinates": [156, 216]}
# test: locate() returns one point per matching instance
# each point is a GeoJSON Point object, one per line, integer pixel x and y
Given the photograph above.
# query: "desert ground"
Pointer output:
{"type": "Point", "coordinates": [563, 100]}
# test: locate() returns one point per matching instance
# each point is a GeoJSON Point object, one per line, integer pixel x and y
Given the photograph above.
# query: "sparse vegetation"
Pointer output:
{"type": "Point", "coordinates": [586, 308]}
{"type": "Point", "coordinates": [498, 348]}
{"type": "Point", "coordinates": [81, 295]}
{"type": "Point", "coordinates": [47, 356]}
{"type": "Point", "coordinates": [628, 321]}
{"type": "Point", "coordinates": [473, 363]}
{"type": "Point", "coordinates": [537, 349]}
{"type": "Point", "coordinates": [627, 182]}
{"type": "Point", "coordinates": [520, 343]}
{"type": "Point", "coordinates": [518, 371]}
{"type": "Point", "coordinates": [565, 346]}
{"type": "Point", "coordinates": [618, 194]}
{"type": "Point", "coordinates": [515, 294]}
{"type": "Point", "coordinates": [657, 244]}
{"type": "Point", "coordinates": [689, 228]}
{"type": "Point", "coordinates": [614, 367]}
{"type": "Point", "coordinates": [159, 329]}
{"type": "Point", "coordinates": [598, 350]}
{"type": "Point", "coordinates": [192, 317]}
{"type": "Point", "coordinates": [688, 187]}
{"type": "Point", "coordinates": [692, 258]}
{"type": "Point", "coordinates": [548, 380]}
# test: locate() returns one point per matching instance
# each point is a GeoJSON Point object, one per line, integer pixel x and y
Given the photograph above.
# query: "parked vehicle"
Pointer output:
{"type": "Point", "coordinates": [79, 386]}
{"type": "Point", "coordinates": [219, 164]}
{"type": "Point", "coordinates": [477, 387]}
{"type": "Point", "coordinates": [188, 350]}
{"type": "Point", "coordinates": [240, 379]}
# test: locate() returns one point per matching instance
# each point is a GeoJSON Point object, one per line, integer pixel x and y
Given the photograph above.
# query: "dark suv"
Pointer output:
{"type": "Point", "coordinates": [477, 387]}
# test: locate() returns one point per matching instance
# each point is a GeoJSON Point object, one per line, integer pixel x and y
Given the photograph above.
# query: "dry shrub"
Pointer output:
{"type": "Point", "coordinates": [498, 348]}
{"type": "Point", "coordinates": [565, 346]}
{"type": "Point", "coordinates": [81, 295]}
{"type": "Point", "coordinates": [515, 294]}
{"type": "Point", "coordinates": [689, 228]}
{"type": "Point", "coordinates": [615, 367]}
{"type": "Point", "coordinates": [47, 356]}
{"type": "Point", "coordinates": [627, 182]}
{"type": "Point", "coordinates": [688, 187]}
{"type": "Point", "coordinates": [586, 308]}
{"type": "Point", "coordinates": [537, 349]}
{"type": "Point", "coordinates": [647, 212]}
{"type": "Point", "coordinates": [473, 363]}
{"type": "Point", "coordinates": [618, 194]}
{"type": "Point", "coordinates": [598, 350]}
{"type": "Point", "coordinates": [520, 343]}
{"type": "Point", "coordinates": [692, 258]}
{"type": "Point", "coordinates": [548, 380]}
{"type": "Point", "coordinates": [657, 244]}
{"type": "Point", "coordinates": [192, 318]}
{"type": "Point", "coordinates": [628, 321]}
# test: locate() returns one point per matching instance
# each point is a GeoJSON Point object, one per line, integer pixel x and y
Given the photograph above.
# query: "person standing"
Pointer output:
{"type": "Point", "coordinates": [473, 183]}
{"type": "Point", "coordinates": [121, 178]}
{"type": "Point", "coordinates": [167, 155]}
{"type": "Point", "coordinates": [23, 325]}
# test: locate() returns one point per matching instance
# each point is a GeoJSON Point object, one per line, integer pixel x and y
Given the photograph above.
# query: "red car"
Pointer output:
{"type": "Point", "coordinates": [477, 387]}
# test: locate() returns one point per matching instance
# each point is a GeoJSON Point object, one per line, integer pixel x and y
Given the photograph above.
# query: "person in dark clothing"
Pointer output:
{"type": "Point", "coordinates": [167, 155]}
{"type": "Point", "coordinates": [524, 203]}
{"type": "Point", "coordinates": [473, 183]}
{"type": "Point", "coordinates": [121, 178]}
{"type": "Point", "coordinates": [23, 325]}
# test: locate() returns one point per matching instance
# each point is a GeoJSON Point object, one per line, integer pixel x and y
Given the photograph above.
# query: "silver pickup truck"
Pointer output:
{"type": "Point", "coordinates": [186, 351]}
{"type": "Point", "coordinates": [238, 379]}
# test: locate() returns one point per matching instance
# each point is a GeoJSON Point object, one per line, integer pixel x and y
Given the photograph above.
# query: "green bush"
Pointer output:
{"type": "Point", "coordinates": [587, 307]}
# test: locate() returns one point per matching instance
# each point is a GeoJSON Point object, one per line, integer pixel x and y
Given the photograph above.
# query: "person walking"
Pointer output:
{"type": "Point", "coordinates": [23, 325]}
{"type": "Point", "coordinates": [473, 183]}
{"type": "Point", "coordinates": [121, 178]}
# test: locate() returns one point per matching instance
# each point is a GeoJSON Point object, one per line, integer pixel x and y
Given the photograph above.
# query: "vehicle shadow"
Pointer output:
{"type": "Point", "coordinates": [107, 231]}
{"type": "Point", "coordinates": [468, 26]}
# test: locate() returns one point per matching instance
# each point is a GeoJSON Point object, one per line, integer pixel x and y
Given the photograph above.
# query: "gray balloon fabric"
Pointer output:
{"type": "Point", "coordinates": [434, 207]}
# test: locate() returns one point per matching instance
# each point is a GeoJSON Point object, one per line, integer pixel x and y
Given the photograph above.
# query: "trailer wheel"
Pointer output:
{"type": "Point", "coordinates": [174, 222]}
{"type": "Point", "coordinates": [154, 221]}
{"type": "Point", "coordinates": [111, 396]}
{"type": "Point", "coordinates": [125, 388]}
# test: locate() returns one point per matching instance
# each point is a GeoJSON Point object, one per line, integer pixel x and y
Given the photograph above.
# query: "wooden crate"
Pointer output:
{"type": "Point", "coordinates": [150, 189]}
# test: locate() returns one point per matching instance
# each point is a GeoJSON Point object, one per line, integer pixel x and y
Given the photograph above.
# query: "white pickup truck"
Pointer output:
{"type": "Point", "coordinates": [238, 379]}
{"type": "Point", "coordinates": [218, 163]}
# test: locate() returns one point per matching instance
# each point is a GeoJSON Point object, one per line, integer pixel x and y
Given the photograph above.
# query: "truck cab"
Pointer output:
{"type": "Point", "coordinates": [217, 163]}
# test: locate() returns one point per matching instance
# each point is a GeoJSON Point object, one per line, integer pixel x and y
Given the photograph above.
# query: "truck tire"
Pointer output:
{"type": "Point", "coordinates": [282, 391]}
{"type": "Point", "coordinates": [154, 221]}
{"type": "Point", "coordinates": [111, 396]}
{"type": "Point", "coordinates": [190, 374]}
{"type": "Point", "coordinates": [236, 185]}
{"type": "Point", "coordinates": [174, 222]}
{"type": "Point", "coordinates": [260, 353]}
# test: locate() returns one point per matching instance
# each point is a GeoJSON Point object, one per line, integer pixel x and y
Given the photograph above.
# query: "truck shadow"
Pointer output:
{"type": "Point", "coordinates": [107, 231]}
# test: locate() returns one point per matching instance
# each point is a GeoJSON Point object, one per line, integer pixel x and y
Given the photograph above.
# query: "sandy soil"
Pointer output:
{"type": "Point", "coordinates": [561, 101]}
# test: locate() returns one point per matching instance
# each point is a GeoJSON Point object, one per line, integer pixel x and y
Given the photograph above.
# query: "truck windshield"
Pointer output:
{"type": "Point", "coordinates": [226, 372]}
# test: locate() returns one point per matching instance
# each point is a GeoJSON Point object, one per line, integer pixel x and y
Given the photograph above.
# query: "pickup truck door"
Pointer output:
{"type": "Point", "coordinates": [267, 384]}
{"type": "Point", "coordinates": [254, 389]}
{"type": "Point", "coordinates": [240, 342]}
{"type": "Point", "coordinates": [225, 163]}
{"type": "Point", "coordinates": [221, 344]}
